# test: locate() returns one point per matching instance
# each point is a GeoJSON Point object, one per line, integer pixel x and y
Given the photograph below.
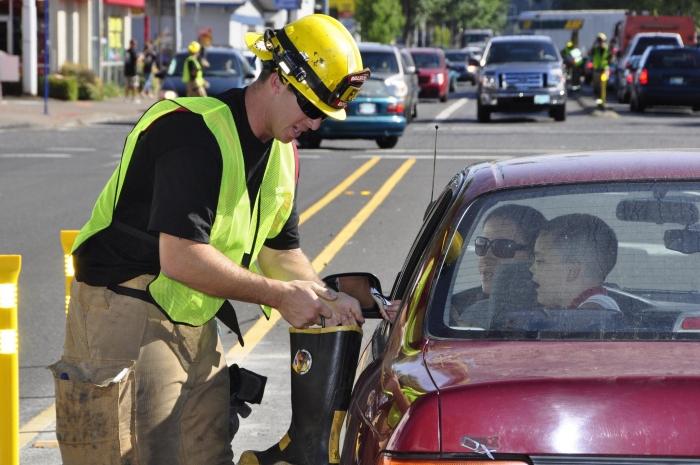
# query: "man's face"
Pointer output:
{"type": "Point", "coordinates": [290, 120]}
{"type": "Point", "coordinates": [499, 228]}
{"type": "Point", "coordinates": [551, 274]}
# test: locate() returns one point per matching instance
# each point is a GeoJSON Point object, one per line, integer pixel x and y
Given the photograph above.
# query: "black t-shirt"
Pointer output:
{"type": "Point", "coordinates": [130, 62]}
{"type": "Point", "coordinates": [172, 186]}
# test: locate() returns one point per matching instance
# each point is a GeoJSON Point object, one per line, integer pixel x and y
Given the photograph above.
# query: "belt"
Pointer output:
{"type": "Point", "coordinates": [137, 288]}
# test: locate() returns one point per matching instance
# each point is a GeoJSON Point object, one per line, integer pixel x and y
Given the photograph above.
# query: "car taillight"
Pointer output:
{"type": "Point", "coordinates": [386, 460]}
{"type": "Point", "coordinates": [644, 77]}
{"type": "Point", "coordinates": [395, 108]}
{"type": "Point", "coordinates": [691, 323]}
{"type": "Point", "coordinates": [629, 78]}
{"type": "Point", "coordinates": [589, 65]}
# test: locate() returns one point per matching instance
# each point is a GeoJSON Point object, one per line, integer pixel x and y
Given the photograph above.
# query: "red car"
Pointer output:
{"type": "Point", "coordinates": [550, 314]}
{"type": "Point", "coordinates": [433, 75]}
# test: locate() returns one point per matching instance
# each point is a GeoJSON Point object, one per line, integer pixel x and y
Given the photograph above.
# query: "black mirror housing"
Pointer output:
{"type": "Point", "coordinates": [686, 241]}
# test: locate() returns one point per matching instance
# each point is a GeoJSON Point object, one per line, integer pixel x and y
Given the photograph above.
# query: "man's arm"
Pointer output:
{"type": "Point", "coordinates": [202, 267]}
{"type": "Point", "coordinates": [291, 264]}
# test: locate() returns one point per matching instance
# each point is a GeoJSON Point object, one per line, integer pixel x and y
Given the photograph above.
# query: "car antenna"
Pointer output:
{"type": "Point", "coordinates": [432, 191]}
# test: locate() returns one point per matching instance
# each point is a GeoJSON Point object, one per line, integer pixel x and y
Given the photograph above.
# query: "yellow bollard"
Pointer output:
{"type": "Point", "coordinates": [67, 238]}
{"type": "Point", "coordinates": [9, 360]}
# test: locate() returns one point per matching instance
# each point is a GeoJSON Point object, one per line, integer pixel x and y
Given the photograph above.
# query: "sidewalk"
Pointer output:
{"type": "Point", "coordinates": [27, 112]}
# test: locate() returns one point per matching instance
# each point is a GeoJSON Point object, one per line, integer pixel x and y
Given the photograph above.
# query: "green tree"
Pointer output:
{"type": "Point", "coordinates": [380, 20]}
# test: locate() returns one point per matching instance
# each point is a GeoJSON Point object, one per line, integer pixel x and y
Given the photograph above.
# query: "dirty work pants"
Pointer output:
{"type": "Point", "coordinates": [135, 388]}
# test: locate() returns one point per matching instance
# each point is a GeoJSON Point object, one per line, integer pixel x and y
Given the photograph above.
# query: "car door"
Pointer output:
{"type": "Point", "coordinates": [410, 74]}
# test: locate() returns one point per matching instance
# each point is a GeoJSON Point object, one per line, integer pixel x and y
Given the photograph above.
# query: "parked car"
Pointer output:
{"type": "Point", "coordinates": [397, 70]}
{"type": "Point", "coordinates": [636, 48]}
{"type": "Point", "coordinates": [433, 75]}
{"type": "Point", "coordinates": [667, 76]}
{"type": "Point", "coordinates": [521, 73]}
{"type": "Point", "coordinates": [520, 383]}
{"type": "Point", "coordinates": [463, 66]}
{"type": "Point", "coordinates": [374, 114]}
{"type": "Point", "coordinates": [624, 88]}
{"type": "Point", "coordinates": [227, 69]}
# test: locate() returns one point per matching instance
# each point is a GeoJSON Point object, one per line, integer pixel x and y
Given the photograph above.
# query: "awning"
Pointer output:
{"type": "Point", "coordinates": [249, 20]}
{"type": "Point", "coordinates": [129, 3]}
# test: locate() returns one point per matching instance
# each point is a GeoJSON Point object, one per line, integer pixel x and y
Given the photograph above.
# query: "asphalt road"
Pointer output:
{"type": "Point", "coordinates": [49, 180]}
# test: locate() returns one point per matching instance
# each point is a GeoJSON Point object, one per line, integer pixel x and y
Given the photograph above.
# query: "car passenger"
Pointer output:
{"type": "Point", "coordinates": [573, 255]}
{"type": "Point", "coordinates": [507, 238]}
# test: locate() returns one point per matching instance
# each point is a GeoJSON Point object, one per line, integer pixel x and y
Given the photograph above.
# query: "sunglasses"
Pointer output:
{"type": "Point", "coordinates": [501, 248]}
{"type": "Point", "coordinates": [308, 108]}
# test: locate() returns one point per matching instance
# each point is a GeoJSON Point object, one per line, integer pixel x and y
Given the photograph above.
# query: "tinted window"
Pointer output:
{"type": "Point", "coordinates": [426, 60]}
{"type": "Point", "coordinates": [457, 56]}
{"type": "Point", "coordinates": [603, 261]}
{"type": "Point", "coordinates": [505, 52]}
{"type": "Point", "coordinates": [685, 59]}
{"type": "Point", "coordinates": [380, 62]}
{"type": "Point", "coordinates": [220, 64]}
{"type": "Point", "coordinates": [645, 42]}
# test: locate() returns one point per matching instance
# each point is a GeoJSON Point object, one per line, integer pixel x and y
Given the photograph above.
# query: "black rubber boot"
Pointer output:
{"type": "Point", "coordinates": [323, 362]}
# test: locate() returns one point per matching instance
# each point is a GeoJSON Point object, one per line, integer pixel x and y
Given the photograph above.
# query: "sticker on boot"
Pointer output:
{"type": "Point", "coordinates": [302, 362]}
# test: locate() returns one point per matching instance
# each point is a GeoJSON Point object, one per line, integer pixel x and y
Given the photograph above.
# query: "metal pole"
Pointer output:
{"type": "Point", "coordinates": [326, 8]}
{"type": "Point", "coordinates": [29, 47]}
{"type": "Point", "coordinates": [46, 56]}
{"type": "Point", "coordinates": [178, 32]}
{"type": "Point", "coordinates": [10, 266]}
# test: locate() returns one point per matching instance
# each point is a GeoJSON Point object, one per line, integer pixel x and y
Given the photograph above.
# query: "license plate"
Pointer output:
{"type": "Point", "coordinates": [367, 109]}
{"type": "Point", "coordinates": [541, 99]}
{"type": "Point", "coordinates": [676, 81]}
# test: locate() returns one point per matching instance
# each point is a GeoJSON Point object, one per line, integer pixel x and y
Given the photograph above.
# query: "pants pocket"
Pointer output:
{"type": "Point", "coordinates": [95, 411]}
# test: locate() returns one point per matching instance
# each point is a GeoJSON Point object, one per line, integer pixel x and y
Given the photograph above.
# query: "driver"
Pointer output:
{"type": "Point", "coordinates": [573, 255]}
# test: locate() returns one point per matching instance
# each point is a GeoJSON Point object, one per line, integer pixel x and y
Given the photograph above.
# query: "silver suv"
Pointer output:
{"type": "Point", "coordinates": [521, 74]}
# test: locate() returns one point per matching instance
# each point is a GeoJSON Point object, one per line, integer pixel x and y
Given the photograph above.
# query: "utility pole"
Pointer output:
{"type": "Point", "coordinates": [29, 47]}
{"type": "Point", "coordinates": [178, 31]}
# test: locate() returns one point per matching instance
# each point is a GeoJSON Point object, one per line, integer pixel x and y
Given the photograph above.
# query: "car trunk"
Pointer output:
{"type": "Point", "coordinates": [544, 398]}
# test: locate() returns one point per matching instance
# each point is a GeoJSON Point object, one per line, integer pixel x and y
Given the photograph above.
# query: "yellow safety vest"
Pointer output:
{"type": "Point", "coordinates": [238, 229]}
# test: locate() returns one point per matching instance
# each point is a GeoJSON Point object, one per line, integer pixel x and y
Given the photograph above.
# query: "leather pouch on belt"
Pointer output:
{"type": "Point", "coordinates": [95, 412]}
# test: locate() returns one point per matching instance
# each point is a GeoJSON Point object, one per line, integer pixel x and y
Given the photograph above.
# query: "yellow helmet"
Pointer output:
{"type": "Point", "coordinates": [569, 44]}
{"type": "Point", "coordinates": [194, 47]}
{"type": "Point", "coordinates": [602, 36]}
{"type": "Point", "coordinates": [318, 56]}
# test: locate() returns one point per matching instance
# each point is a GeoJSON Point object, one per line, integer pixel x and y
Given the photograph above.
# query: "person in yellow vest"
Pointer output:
{"type": "Point", "coordinates": [192, 74]}
{"type": "Point", "coordinates": [600, 55]}
{"type": "Point", "coordinates": [200, 209]}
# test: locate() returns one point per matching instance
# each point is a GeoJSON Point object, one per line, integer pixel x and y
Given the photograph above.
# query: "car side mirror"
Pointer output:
{"type": "Point", "coordinates": [365, 287]}
{"type": "Point", "coordinates": [250, 75]}
{"type": "Point", "coordinates": [686, 241]}
{"type": "Point", "coordinates": [411, 70]}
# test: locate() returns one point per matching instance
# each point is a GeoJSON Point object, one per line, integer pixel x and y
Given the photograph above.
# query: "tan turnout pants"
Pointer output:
{"type": "Point", "coordinates": [134, 388]}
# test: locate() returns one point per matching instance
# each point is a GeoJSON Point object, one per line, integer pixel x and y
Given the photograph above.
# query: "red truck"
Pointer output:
{"type": "Point", "coordinates": [633, 24]}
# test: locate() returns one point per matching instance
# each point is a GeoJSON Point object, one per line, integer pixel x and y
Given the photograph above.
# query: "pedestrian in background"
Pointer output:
{"type": "Point", "coordinates": [192, 73]}
{"type": "Point", "coordinates": [148, 58]}
{"type": "Point", "coordinates": [600, 55]}
{"type": "Point", "coordinates": [131, 58]}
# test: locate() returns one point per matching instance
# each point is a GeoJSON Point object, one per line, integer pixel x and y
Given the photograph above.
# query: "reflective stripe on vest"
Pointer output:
{"type": "Point", "coordinates": [198, 77]}
{"type": "Point", "coordinates": [234, 227]}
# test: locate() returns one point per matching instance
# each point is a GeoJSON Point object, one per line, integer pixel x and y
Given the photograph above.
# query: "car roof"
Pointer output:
{"type": "Point", "coordinates": [600, 166]}
{"type": "Point", "coordinates": [523, 38]}
{"type": "Point", "coordinates": [656, 34]}
{"type": "Point", "coordinates": [375, 47]}
{"type": "Point", "coordinates": [425, 50]}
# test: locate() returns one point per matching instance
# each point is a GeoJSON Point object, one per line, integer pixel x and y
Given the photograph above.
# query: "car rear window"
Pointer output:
{"type": "Point", "coordinates": [616, 261]}
{"type": "Point", "coordinates": [380, 62]}
{"type": "Point", "coordinates": [645, 42]}
{"type": "Point", "coordinates": [374, 88]}
{"type": "Point", "coordinates": [220, 64]}
{"type": "Point", "coordinates": [676, 59]}
{"type": "Point", "coordinates": [457, 57]}
{"type": "Point", "coordinates": [528, 51]}
{"type": "Point", "coordinates": [426, 60]}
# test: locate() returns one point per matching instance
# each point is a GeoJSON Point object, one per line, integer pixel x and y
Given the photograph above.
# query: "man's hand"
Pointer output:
{"type": "Point", "coordinates": [346, 309]}
{"type": "Point", "coordinates": [304, 302]}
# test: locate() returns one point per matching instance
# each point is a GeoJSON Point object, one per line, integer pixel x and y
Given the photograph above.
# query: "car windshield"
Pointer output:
{"type": "Point", "coordinates": [645, 42]}
{"type": "Point", "coordinates": [426, 60]}
{"type": "Point", "coordinates": [221, 64]}
{"type": "Point", "coordinates": [380, 62]}
{"type": "Point", "coordinates": [457, 56]}
{"type": "Point", "coordinates": [601, 262]}
{"type": "Point", "coordinates": [674, 59]}
{"type": "Point", "coordinates": [529, 51]}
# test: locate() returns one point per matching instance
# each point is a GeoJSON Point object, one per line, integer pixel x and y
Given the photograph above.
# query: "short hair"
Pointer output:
{"type": "Point", "coordinates": [528, 220]}
{"type": "Point", "coordinates": [268, 67]}
{"type": "Point", "coordinates": [580, 233]}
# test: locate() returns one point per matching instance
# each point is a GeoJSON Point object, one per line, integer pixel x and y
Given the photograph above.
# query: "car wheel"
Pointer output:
{"type": "Point", "coordinates": [414, 113]}
{"type": "Point", "coordinates": [453, 86]}
{"type": "Point", "coordinates": [482, 114]}
{"type": "Point", "coordinates": [558, 112]}
{"type": "Point", "coordinates": [387, 142]}
{"type": "Point", "coordinates": [309, 140]}
{"type": "Point", "coordinates": [696, 108]}
{"type": "Point", "coordinates": [635, 105]}
{"type": "Point", "coordinates": [443, 98]}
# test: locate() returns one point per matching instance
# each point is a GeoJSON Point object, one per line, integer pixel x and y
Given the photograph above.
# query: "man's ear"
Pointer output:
{"type": "Point", "coordinates": [276, 83]}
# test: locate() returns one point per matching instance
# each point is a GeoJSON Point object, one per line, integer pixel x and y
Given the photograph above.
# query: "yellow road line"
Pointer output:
{"type": "Point", "coordinates": [36, 425]}
{"type": "Point", "coordinates": [261, 327]}
{"type": "Point", "coordinates": [337, 190]}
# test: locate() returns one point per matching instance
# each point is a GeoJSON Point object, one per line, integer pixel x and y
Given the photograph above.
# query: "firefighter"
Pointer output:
{"type": "Point", "coordinates": [600, 55]}
{"type": "Point", "coordinates": [572, 58]}
{"type": "Point", "coordinates": [192, 74]}
{"type": "Point", "coordinates": [201, 209]}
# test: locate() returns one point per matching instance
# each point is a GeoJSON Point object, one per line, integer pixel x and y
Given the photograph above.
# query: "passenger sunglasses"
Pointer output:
{"type": "Point", "coordinates": [501, 248]}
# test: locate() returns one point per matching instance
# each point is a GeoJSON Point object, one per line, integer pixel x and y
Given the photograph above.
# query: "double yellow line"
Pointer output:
{"type": "Point", "coordinates": [261, 327]}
